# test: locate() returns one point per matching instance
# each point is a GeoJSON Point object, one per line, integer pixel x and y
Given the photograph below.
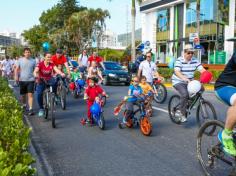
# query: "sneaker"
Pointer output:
{"type": "Point", "coordinates": [124, 121]}
{"type": "Point", "coordinates": [41, 113]}
{"type": "Point", "coordinates": [228, 142]}
{"type": "Point", "coordinates": [30, 112]}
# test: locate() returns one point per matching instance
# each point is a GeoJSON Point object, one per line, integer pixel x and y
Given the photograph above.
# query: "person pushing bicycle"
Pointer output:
{"type": "Point", "coordinates": [44, 70]}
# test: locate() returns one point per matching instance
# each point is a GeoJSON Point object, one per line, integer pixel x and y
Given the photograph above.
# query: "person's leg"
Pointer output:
{"type": "Point", "coordinates": [39, 89]}
{"type": "Point", "coordinates": [89, 104]}
{"type": "Point", "coordinates": [23, 92]}
{"type": "Point", "coordinates": [183, 92]}
{"type": "Point", "coordinates": [129, 110]}
{"type": "Point", "coordinates": [30, 95]}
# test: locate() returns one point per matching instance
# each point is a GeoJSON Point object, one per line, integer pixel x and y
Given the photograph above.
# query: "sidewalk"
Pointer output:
{"type": "Point", "coordinates": [208, 87]}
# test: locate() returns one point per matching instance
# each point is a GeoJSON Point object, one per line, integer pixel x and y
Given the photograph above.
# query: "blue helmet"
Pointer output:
{"type": "Point", "coordinates": [95, 108]}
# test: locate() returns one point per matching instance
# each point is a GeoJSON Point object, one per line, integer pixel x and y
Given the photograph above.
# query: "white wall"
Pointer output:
{"type": "Point", "coordinates": [229, 30]}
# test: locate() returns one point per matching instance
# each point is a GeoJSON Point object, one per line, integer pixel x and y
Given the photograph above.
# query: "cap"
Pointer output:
{"type": "Point", "coordinates": [59, 51]}
{"type": "Point", "coordinates": [188, 47]}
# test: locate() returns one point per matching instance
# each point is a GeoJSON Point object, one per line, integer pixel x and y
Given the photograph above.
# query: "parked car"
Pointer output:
{"type": "Point", "coordinates": [114, 73]}
{"type": "Point", "coordinates": [73, 63]}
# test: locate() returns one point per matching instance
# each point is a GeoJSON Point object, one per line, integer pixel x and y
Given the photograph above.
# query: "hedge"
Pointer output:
{"type": "Point", "coordinates": [167, 73]}
{"type": "Point", "coordinates": [14, 136]}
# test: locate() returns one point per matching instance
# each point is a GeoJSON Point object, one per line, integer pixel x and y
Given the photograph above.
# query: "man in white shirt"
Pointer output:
{"type": "Point", "coordinates": [7, 67]}
{"type": "Point", "coordinates": [83, 62]}
{"type": "Point", "coordinates": [148, 69]}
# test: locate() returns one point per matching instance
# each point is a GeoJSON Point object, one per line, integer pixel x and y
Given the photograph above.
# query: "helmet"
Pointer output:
{"type": "Point", "coordinates": [206, 77]}
{"type": "Point", "coordinates": [72, 86]}
{"type": "Point", "coordinates": [95, 108]}
{"type": "Point", "coordinates": [81, 82]}
{"type": "Point", "coordinates": [194, 87]}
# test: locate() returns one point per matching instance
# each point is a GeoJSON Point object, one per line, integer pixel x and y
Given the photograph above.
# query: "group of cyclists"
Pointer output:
{"type": "Point", "coordinates": [27, 72]}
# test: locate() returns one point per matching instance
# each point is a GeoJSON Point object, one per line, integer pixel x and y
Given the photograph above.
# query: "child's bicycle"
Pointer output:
{"type": "Point", "coordinates": [77, 87]}
{"type": "Point", "coordinates": [97, 112]}
{"type": "Point", "coordinates": [142, 120]}
{"type": "Point", "coordinates": [210, 153]}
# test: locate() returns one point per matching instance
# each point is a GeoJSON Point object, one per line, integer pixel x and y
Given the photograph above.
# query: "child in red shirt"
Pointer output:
{"type": "Point", "coordinates": [91, 93]}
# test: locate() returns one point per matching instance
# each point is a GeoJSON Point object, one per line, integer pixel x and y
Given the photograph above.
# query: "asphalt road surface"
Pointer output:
{"type": "Point", "coordinates": [72, 149]}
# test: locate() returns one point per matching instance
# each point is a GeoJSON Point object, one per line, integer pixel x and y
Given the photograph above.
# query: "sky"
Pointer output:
{"type": "Point", "coordinates": [20, 15]}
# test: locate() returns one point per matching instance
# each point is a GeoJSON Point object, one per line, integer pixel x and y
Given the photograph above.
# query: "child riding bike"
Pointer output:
{"type": "Point", "coordinates": [91, 94]}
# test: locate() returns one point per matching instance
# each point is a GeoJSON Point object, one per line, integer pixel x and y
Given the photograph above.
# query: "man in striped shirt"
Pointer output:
{"type": "Point", "coordinates": [184, 69]}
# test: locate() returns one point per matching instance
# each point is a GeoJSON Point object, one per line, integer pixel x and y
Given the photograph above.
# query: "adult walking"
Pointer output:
{"type": "Point", "coordinates": [25, 68]}
{"type": "Point", "coordinates": [83, 62]}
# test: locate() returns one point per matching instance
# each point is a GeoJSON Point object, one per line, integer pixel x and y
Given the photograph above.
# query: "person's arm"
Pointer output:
{"type": "Point", "coordinates": [79, 60]}
{"type": "Point", "coordinates": [58, 71]}
{"type": "Point", "coordinates": [140, 70]}
{"type": "Point", "coordinates": [89, 71]}
{"type": "Point", "coordinates": [36, 72]}
{"type": "Point", "coordinates": [179, 74]}
{"type": "Point", "coordinates": [67, 68]}
{"type": "Point", "coordinates": [102, 64]}
{"type": "Point", "coordinates": [17, 71]}
{"type": "Point", "coordinates": [100, 75]}
{"type": "Point", "coordinates": [200, 68]}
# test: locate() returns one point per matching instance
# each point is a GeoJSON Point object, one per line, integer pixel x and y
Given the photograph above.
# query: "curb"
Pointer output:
{"type": "Point", "coordinates": [41, 164]}
{"type": "Point", "coordinates": [207, 87]}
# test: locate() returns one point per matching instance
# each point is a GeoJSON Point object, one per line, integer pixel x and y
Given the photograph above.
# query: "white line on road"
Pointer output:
{"type": "Point", "coordinates": [160, 109]}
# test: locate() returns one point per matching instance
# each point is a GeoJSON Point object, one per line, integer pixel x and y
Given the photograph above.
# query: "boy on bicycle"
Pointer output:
{"type": "Point", "coordinates": [145, 86]}
{"type": "Point", "coordinates": [91, 93]}
{"type": "Point", "coordinates": [75, 75]}
{"type": "Point", "coordinates": [134, 91]}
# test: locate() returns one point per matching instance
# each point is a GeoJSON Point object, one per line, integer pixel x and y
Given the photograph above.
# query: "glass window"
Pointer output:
{"type": "Point", "coordinates": [163, 20]}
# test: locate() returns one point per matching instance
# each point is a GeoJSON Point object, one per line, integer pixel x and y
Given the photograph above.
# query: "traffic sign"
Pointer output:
{"type": "Point", "coordinates": [192, 36]}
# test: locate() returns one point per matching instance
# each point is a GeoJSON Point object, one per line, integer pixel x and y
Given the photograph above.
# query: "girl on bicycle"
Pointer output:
{"type": "Point", "coordinates": [44, 72]}
{"type": "Point", "coordinates": [94, 72]}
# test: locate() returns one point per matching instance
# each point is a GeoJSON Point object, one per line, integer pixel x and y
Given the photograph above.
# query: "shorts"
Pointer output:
{"type": "Point", "coordinates": [227, 94]}
{"type": "Point", "coordinates": [26, 87]}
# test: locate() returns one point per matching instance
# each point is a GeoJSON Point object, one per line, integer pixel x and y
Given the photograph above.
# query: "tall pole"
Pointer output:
{"type": "Point", "coordinates": [133, 14]}
{"type": "Point", "coordinates": [198, 27]}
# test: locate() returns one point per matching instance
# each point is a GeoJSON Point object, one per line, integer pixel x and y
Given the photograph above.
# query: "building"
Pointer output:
{"type": "Point", "coordinates": [125, 39]}
{"type": "Point", "coordinates": [109, 40]}
{"type": "Point", "coordinates": [169, 24]}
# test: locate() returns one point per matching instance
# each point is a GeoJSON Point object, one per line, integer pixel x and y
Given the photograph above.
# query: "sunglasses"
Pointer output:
{"type": "Point", "coordinates": [136, 81]}
{"type": "Point", "coordinates": [190, 53]}
{"type": "Point", "coordinates": [149, 56]}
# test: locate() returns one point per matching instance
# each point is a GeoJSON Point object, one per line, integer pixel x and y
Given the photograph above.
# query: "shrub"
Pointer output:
{"type": "Point", "coordinates": [14, 136]}
{"type": "Point", "coordinates": [165, 72]}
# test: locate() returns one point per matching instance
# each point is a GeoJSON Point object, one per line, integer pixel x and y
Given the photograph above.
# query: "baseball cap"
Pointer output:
{"type": "Point", "coordinates": [188, 47]}
{"type": "Point", "coordinates": [59, 51]}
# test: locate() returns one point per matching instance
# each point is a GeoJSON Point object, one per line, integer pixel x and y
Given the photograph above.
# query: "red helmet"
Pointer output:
{"type": "Point", "coordinates": [206, 77]}
{"type": "Point", "coordinates": [72, 86]}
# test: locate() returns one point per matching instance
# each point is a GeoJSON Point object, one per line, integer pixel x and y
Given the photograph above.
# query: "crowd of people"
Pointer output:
{"type": "Point", "coordinates": [26, 71]}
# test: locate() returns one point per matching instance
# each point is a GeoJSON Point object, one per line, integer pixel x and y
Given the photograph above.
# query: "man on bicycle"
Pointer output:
{"type": "Point", "coordinates": [97, 59]}
{"type": "Point", "coordinates": [184, 69]}
{"type": "Point", "coordinates": [225, 89]}
{"type": "Point", "coordinates": [60, 60]}
{"type": "Point", "coordinates": [44, 73]}
{"type": "Point", "coordinates": [148, 69]}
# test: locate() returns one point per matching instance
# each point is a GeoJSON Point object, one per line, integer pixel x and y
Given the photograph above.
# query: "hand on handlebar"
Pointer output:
{"type": "Point", "coordinates": [186, 80]}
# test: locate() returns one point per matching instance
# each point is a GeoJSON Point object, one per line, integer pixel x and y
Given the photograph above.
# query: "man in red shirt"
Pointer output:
{"type": "Point", "coordinates": [90, 95]}
{"type": "Point", "coordinates": [60, 59]}
{"type": "Point", "coordinates": [97, 59]}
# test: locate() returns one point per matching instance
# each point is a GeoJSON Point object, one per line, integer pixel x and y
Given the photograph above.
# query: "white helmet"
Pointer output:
{"type": "Point", "coordinates": [194, 87]}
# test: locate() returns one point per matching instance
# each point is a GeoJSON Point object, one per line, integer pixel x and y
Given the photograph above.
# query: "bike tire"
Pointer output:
{"type": "Point", "coordinates": [200, 154]}
{"type": "Point", "coordinates": [172, 110]}
{"type": "Point", "coordinates": [45, 105]}
{"type": "Point", "coordinates": [101, 122]}
{"type": "Point", "coordinates": [145, 126]}
{"type": "Point", "coordinates": [52, 115]}
{"type": "Point", "coordinates": [204, 118]}
{"type": "Point", "coordinates": [63, 98]}
{"type": "Point", "coordinates": [161, 93]}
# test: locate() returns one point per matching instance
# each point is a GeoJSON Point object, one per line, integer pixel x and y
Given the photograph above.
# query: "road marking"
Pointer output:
{"type": "Point", "coordinates": [160, 109]}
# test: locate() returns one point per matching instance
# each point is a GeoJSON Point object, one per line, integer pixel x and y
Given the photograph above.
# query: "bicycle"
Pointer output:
{"type": "Point", "coordinates": [143, 120]}
{"type": "Point", "coordinates": [203, 108]}
{"type": "Point", "coordinates": [61, 92]}
{"type": "Point", "coordinates": [161, 90]}
{"type": "Point", "coordinates": [49, 102]}
{"type": "Point", "coordinates": [97, 112]}
{"type": "Point", "coordinates": [210, 154]}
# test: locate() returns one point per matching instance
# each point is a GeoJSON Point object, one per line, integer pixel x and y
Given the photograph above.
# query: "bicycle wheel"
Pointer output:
{"type": "Point", "coordinates": [45, 104]}
{"type": "Point", "coordinates": [209, 150]}
{"type": "Point", "coordinates": [173, 107]}
{"type": "Point", "coordinates": [63, 98]}
{"type": "Point", "coordinates": [52, 115]}
{"type": "Point", "coordinates": [205, 111]}
{"type": "Point", "coordinates": [101, 122]}
{"type": "Point", "coordinates": [161, 93]}
{"type": "Point", "coordinates": [145, 126]}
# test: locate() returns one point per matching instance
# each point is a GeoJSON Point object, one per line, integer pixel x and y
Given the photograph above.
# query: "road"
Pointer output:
{"type": "Point", "coordinates": [72, 149]}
